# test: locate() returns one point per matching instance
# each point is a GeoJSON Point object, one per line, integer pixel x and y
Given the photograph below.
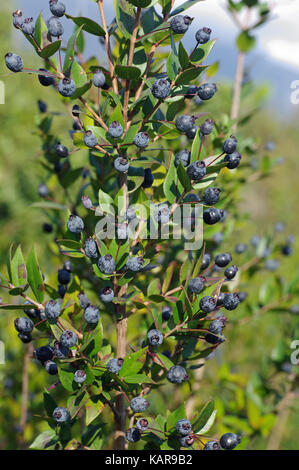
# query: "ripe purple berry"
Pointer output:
{"type": "Point", "coordinates": [223, 259]}
{"type": "Point", "coordinates": [106, 294]}
{"type": "Point", "coordinates": [28, 26]}
{"type": "Point", "coordinates": [67, 87]}
{"type": "Point", "coordinates": [184, 122]}
{"type": "Point", "coordinates": [83, 300]}
{"type": "Point", "coordinates": [114, 365]}
{"type": "Point", "coordinates": [115, 130]}
{"type": "Point", "coordinates": [207, 304]}
{"type": "Point", "coordinates": [231, 272]}
{"type": "Point", "coordinates": [91, 248]}
{"type": "Point", "coordinates": [142, 424]}
{"type": "Point", "coordinates": [183, 427]}
{"type": "Point", "coordinates": [92, 315]}
{"type": "Point", "coordinates": [197, 170]}
{"type": "Point", "coordinates": [184, 157]}
{"type": "Point", "coordinates": [211, 196]}
{"type": "Point", "coordinates": [52, 310]}
{"type": "Point", "coordinates": [64, 276]}
{"type": "Point", "coordinates": [51, 367]}
{"type": "Point", "coordinates": [233, 160]}
{"type": "Point", "coordinates": [230, 145]}
{"type": "Point", "coordinates": [121, 164]}
{"type": "Point", "coordinates": [90, 139]}
{"type": "Point", "coordinates": [75, 224]}
{"type": "Point", "coordinates": [55, 27]}
{"type": "Point", "coordinates": [231, 301]}
{"type": "Point", "coordinates": [135, 264]}
{"type": "Point", "coordinates": [61, 150]}
{"type": "Point", "coordinates": [68, 339]}
{"type": "Point", "coordinates": [46, 80]}
{"type": "Point", "coordinates": [180, 24]}
{"type": "Point", "coordinates": [79, 376]}
{"type": "Point", "coordinates": [57, 8]}
{"type": "Point", "coordinates": [133, 435]}
{"type": "Point", "coordinates": [207, 127]}
{"type": "Point", "coordinates": [212, 215]}
{"type": "Point", "coordinates": [61, 415]}
{"type": "Point", "coordinates": [17, 19]}
{"type": "Point", "coordinates": [229, 441]}
{"type": "Point", "coordinates": [197, 284]}
{"type": "Point", "coordinates": [161, 89]}
{"type": "Point", "coordinates": [141, 140]}
{"type": "Point", "coordinates": [155, 338]}
{"type": "Point", "coordinates": [212, 445]}
{"type": "Point", "coordinates": [177, 375]}
{"type": "Point", "coordinates": [203, 35]}
{"type": "Point", "coordinates": [186, 441]}
{"type": "Point", "coordinates": [98, 79]}
{"type": "Point", "coordinates": [24, 325]}
{"type": "Point", "coordinates": [106, 264]}
{"type": "Point", "coordinates": [207, 91]}
{"type": "Point", "coordinates": [14, 62]}
{"type": "Point", "coordinates": [139, 404]}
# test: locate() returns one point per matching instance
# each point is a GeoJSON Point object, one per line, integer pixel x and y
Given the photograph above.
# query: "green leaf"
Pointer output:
{"type": "Point", "coordinates": [175, 416]}
{"type": "Point", "coordinates": [88, 25]}
{"type": "Point", "coordinates": [184, 6]}
{"type": "Point", "coordinates": [190, 74]}
{"type": "Point", "coordinates": [93, 408]}
{"type": "Point", "coordinates": [79, 75]}
{"type": "Point", "coordinates": [172, 64]}
{"type": "Point", "coordinates": [125, 17]}
{"type": "Point", "coordinates": [49, 404]}
{"type": "Point", "coordinates": [44, 440]}
{"type": "Point", "coordinates": [169, 185]}
{"type": "Point", "coordinates": [202, 52]}
{"type": "Point", "coordinates": [208, 424]}
{"type": "Point", "coordinates": [40, 28]}
{"type": "Point", "coordinates": [49, 205]}
{"type": "Point", "coordinates": [140, 3]}
{"type": "Point", "coordinates": [195, 147]}
{"type": "Point", "coordinates": [133, 363]}
{"type": "Point", "coordinates": [206, 181]}
{"type": "Point", "coordinates": [184, 178]}
{"type": "Point", "coordinates": [50, 49]}
{"type": "Point", "coordinates": [126, 72]}
{"type": "Point", "coordinates": [81, 90]}
{"type": "Point", "coordinates": [204, 416]}
{"type": "Point", "coordinates": [183, 57]}
{"type": "Point", "coordinates": [35, 279]}
{"type": "Point", "coordinates": [137, 379]}
{"type": "Point", "coordinates": [66, 376]}
{"type": "Point", "coordinates": [18, 268]}
{"type": "Point", "coordinates": [70, 49]}
{"type": "Point", "coordinates": [245, 42]}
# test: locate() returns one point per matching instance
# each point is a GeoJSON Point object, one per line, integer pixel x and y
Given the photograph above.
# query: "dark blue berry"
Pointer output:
{"type": "Point", "coordinates": [135, 264]}
{"type": "Point", "coordinates": [166, 313]}
{"type": "Point", "coordinates": [86, 201]}
{"type": "Point", "coordinates": [133, 435]}
{"type": "Point", "coordinates": [121, 164]}
{"type": "Point", "coordinates": [75, 224]}
{"type": "Point", "coordinates": [286, 250]}
{"type": "Point", "coordinates": [42, 106]}
{"type": "Point", "coordinates": [44, 354]}
{"type": "Point", "coordinates": [83, 300]}
{"type": "Point", "coordinates": [231, 301]}
{"type": "Point", "coordinates": [220, 298]}
{"type": "Point", "coordinates": [28, 26]}
{"type": "Point", "coordinates": [79, 376]}
{"type": "Point", "coordinates": [139, 404]}
{"type": "Point", "coordinates": [255, 240]}
{"type": "Point", "coordinates": [191, 133]}
{"type": "Point", "coordinates": [24, 325]}
{"type": "Point", "coordinates": [211, 196]}
{"type": "Point", "coordinates": [155, 337]}
{"type": "Point", "coordinates": [32, 312]}
{"type": "Point", "coordinates": [161, 89]}
{"type": "Point", "coordinates": [55, 27]}
{"type": "Point", "coordinates": [14, 62]}
{"type": "Point", "coordinates": [216, 326]}
{"type": "Point", "coordinates": [187, 441]}
{"type": "Point", "coordinates": [161, 213]}
{"type": "Point", "coordinates": [60, 351]}
{"type": "Point", "coordinates": [207, 91]}
{"type": "Point", "coordinates": [68, 339]}
{"type": "Point", "coordinates": [197, 170]}
{"type": "Point", "coordinates": [212, 445]}
{"type": "Point", "coordinates": [242, 296]}
{"type": "Point", "coordinates": [142, 424]}
{"type": "Point", "coordinates": [177, 375]}
{"type": "Point", "coordinates": [223, 259]}
{"type": "Point", "coordinates": [114, 365]}
{"type": "Point", "coordinates": [17, 19]}
{"type": "Point", "coordinates": [43, 190]}
{"type": "Point", "coordinates": [233, 160]}
{"type": "Point", "coordinates": [47, 79]}
{"type": "Point", "coordinates": [207, 127]}
{"type": "Point", "coordinates": [229, 441]}
{"type": "Point", "coordinates": [25, 337]}
{"type": "Point", "coordinates": [91, 315]}
{"type": "Point", "coordinates": [51, 367]}
{"type": "Point", "coordinates": [52, 310]}
{"type": "Point", "coordinates": [141, 140]}
{"type": "Point", "coordinates": [115, 130]}
{"type": "Point", "coordinates": [91, 248]}
{"type": "Point", "coordinates": [61, 150]}
{"type": "Point", "coordinates": [106, 294]}
{"type": "Point", "coordinates": [148, 178]}
{"type": "Point", "coordinates": [61, 415]}
{"type": "Point", "coordinates": [90, 139]}
{"type": "Point", "coordinates": [67, 87]}
{"type": "Point", "coordinates": [196, 285]}
{"type": "Point", "coordinates": [106, 264]}
{"type": "Point", "coordinates": [62, 290]}
{"type": "Point", "coordinates": [212, 215]}
{"type": "Point", "coordinates": [57, 8]}
{"type": "Point", "coordinates": [240, 248]}
{"type": "Point", "coordinates": [203, 35]}
{"type": "Point", "coordinates": [98, 79]}
{"type": "Point", "coordinates": [180, 24]}
{"type": "Point", "coordinates": [185, 122]}
{"type": "Point", "coordinates": [272, 264]}
{"type": "Point", "coordinates": [230, 145]}
{"type": "Point", "coordinates": [207, 304]}
{"type": "Point", "coordinates": [231, 272]}
{"type": "Point", "coordinates": [64, 276]}
{"type": "Point", "coordinates": [206, 259]}
{"type": "Point", "coordinates": [184, 157]}
{"type": "Point", "coordinates": [183, 427]}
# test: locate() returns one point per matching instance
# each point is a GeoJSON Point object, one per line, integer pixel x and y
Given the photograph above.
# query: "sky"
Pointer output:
{"type": "Point", "coordinates": [275, 59]}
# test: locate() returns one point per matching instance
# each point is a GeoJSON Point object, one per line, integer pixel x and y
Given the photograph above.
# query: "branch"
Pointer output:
{"type": "Point", "coordinates": [108, 49]}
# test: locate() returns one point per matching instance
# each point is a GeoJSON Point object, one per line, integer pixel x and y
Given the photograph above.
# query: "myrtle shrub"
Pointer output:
{"type": "Point", "coordinates": [146, 156]}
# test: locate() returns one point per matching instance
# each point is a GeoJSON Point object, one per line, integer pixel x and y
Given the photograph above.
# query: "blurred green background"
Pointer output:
{"type": "Point", "coordinates": [250, 344]}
